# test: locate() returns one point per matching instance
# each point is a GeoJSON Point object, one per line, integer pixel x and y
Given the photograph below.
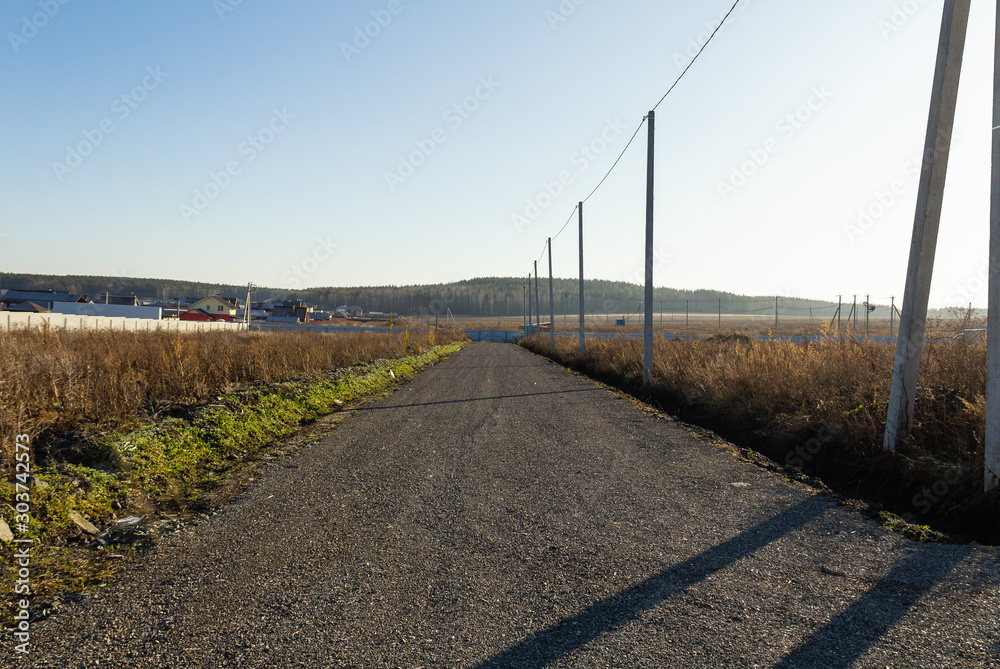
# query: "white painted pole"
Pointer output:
{"type": "Point", "coordinates": [991, 473]}
{"type": "Point", "coordinates": [583, 344]}
{"type": "Point", "coordinates": [552, 306]}
{"type": "Point", "coordinates": [647, 321]}
{"type": "Point", "coordinates": [899, 419]}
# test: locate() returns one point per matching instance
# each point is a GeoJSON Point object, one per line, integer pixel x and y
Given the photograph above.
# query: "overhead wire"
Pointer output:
{"type": "Point", "coordinates": [645, 118]}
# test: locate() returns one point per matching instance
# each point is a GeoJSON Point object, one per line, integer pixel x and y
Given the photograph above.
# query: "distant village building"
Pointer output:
{"type": "Point", "coordinates": [211, 308]}
{"type": "Point", "coordinates": [290, 311]}
{"type": "Point", "coordinates": [353, 311]}
{"type": "Point", "coordinates": [41, 298]}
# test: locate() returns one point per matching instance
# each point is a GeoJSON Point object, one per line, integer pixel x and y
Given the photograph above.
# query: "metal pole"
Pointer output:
{"type": "Point", "coordinates": [991, 473]}
{"type": "Point", "coordinates": [538, 311]}
{"type": "Point", "coordinates": [647, 321]}
{"type": "Point", "coordinates": [892, 316]}
{"type": "Point", "coordinates": [552, 305]}
{"type": "Point", "coordinates": [868, 310]}
{"type": "Point", "coordinates": [583, 345]}
{"type": "Point", "coordinates": [909, 346]}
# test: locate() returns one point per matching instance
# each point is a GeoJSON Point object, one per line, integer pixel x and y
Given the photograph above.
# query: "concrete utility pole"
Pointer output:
{"type": "Point", "coordinates": [524, 307]}
{"type": "Point", "coordinates": [530, 306]}
{"type": "Point", "coordinates": [583, 345]}
{"type": "Point", "coordinates": [647, 320]}
{"type": "Point", "coordinates": [937, 148]}
{"type": "Point", "coordinates": [538, 311]}
{"type": "Point", "coordinates": [991, 474]}
{"type": "Point", "coordinates": [552, 305]}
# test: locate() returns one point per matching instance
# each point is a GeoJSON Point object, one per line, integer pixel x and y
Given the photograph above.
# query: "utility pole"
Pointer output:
{"type": "Point", "coordinates": [583, 345]}
{"type": "Point", "coordinates": [991, 473]}
{"type": "Point", "coordinates": [530, 306]}
{"type": "Point", "coordinates": [868, 310]}
{"type": "Point", "coordinates": [647, 321]}
{"type": "Point", "coordinates": [552, 305]}
{"type": "Point", "coordinates": [840, 306]}
{"type": "Point", "coordinates": [930, 195]}
{"type": "Point", "coordinates": [538, 311]}
{"type": "Point", "coordinates": [524, 307]}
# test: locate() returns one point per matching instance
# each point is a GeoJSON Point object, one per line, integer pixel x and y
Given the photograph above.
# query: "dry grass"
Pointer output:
{"type": "Point", "coordinates": [777, 397]}
{"type": "Point", "coordinates": [56, 381]}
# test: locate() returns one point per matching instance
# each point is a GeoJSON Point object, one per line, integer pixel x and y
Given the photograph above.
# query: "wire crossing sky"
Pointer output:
{"type": "Point", "coordinates": [394, 142]}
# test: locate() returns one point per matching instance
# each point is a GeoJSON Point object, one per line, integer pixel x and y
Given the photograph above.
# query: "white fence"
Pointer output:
{"type": "Point", "coordinates": [13, 320]}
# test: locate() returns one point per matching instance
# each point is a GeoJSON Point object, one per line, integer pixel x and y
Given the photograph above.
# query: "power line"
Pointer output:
{"type": "Point", "coordinates": [703, 46]}
{"type": "Point", "coordinates": [556, 236]}
{"type": "Point", "coordinates": [617, 161]}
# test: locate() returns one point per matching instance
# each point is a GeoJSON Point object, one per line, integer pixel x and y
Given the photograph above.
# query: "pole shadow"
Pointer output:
{"type": "Point", "coordinates": [566, 636]}
{"type": "Point", "coordinates": [475, 399]}
{"type": "Point", "coordinates": [842, 641]}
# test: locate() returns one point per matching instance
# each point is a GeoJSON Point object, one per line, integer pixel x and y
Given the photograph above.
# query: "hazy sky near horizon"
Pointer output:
{"type": "Point", "coordinates": [229, 141]}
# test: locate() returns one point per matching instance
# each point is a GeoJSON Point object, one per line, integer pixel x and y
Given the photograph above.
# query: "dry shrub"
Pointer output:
{"type": "Point", "coordinates": [59, 380]}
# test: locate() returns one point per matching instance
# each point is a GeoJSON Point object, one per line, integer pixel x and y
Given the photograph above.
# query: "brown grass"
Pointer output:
{"type": "Point", "coordinates": [56, 381]}
{"type": "Point", "coordinates": [831, 395]}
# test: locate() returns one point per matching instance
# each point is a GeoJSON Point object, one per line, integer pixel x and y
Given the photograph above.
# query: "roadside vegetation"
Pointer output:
{"type": "Point", "coordinates": [150, 425]}
{"type": "Point", "coordinates": [819, 408]}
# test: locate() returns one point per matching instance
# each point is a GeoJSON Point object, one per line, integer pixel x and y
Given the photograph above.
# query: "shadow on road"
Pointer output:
{"type": "Point", "coordinates": [466, 400]}
{"type": "Point", "coordinates": [558, 641]}
{"type": "Point", "coordinates": [843, 640]}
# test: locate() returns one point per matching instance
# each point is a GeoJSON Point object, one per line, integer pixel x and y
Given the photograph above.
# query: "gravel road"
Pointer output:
{"type": "Point", "coordinates": [501, 512]}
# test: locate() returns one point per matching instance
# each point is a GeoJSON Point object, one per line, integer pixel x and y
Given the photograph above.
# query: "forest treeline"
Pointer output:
{"type": "Point", "coordinates": [492, 296]}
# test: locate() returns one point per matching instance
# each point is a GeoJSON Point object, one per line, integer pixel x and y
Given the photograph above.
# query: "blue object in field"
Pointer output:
{"type": "Point", "coordinates": [620, 322]}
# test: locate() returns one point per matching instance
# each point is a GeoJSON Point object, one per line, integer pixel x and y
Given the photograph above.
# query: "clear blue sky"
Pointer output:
{"type": "Point", "coordinates": [161, 96]}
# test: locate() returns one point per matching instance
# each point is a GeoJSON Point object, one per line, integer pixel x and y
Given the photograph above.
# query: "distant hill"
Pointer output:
{"type": "Point", "coordinates": [491, 296]}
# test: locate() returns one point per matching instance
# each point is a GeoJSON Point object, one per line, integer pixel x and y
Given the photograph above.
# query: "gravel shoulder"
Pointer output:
{"type": "Point", "coordinates": [500, 512]}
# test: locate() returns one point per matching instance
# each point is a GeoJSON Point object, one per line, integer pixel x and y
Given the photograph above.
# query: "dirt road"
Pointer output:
{"type": "Point", "coordinates": [501, 512]}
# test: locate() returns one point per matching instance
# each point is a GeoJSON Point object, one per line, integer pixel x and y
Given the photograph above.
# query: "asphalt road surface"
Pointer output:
{"type": "Point", "coordinates": [501, 512]}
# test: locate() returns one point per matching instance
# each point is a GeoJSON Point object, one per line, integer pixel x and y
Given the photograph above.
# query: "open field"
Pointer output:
{"type": "Point", "coordinates": [708, 324]}
{"type": "Point", "coordinates": [820, 408]}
